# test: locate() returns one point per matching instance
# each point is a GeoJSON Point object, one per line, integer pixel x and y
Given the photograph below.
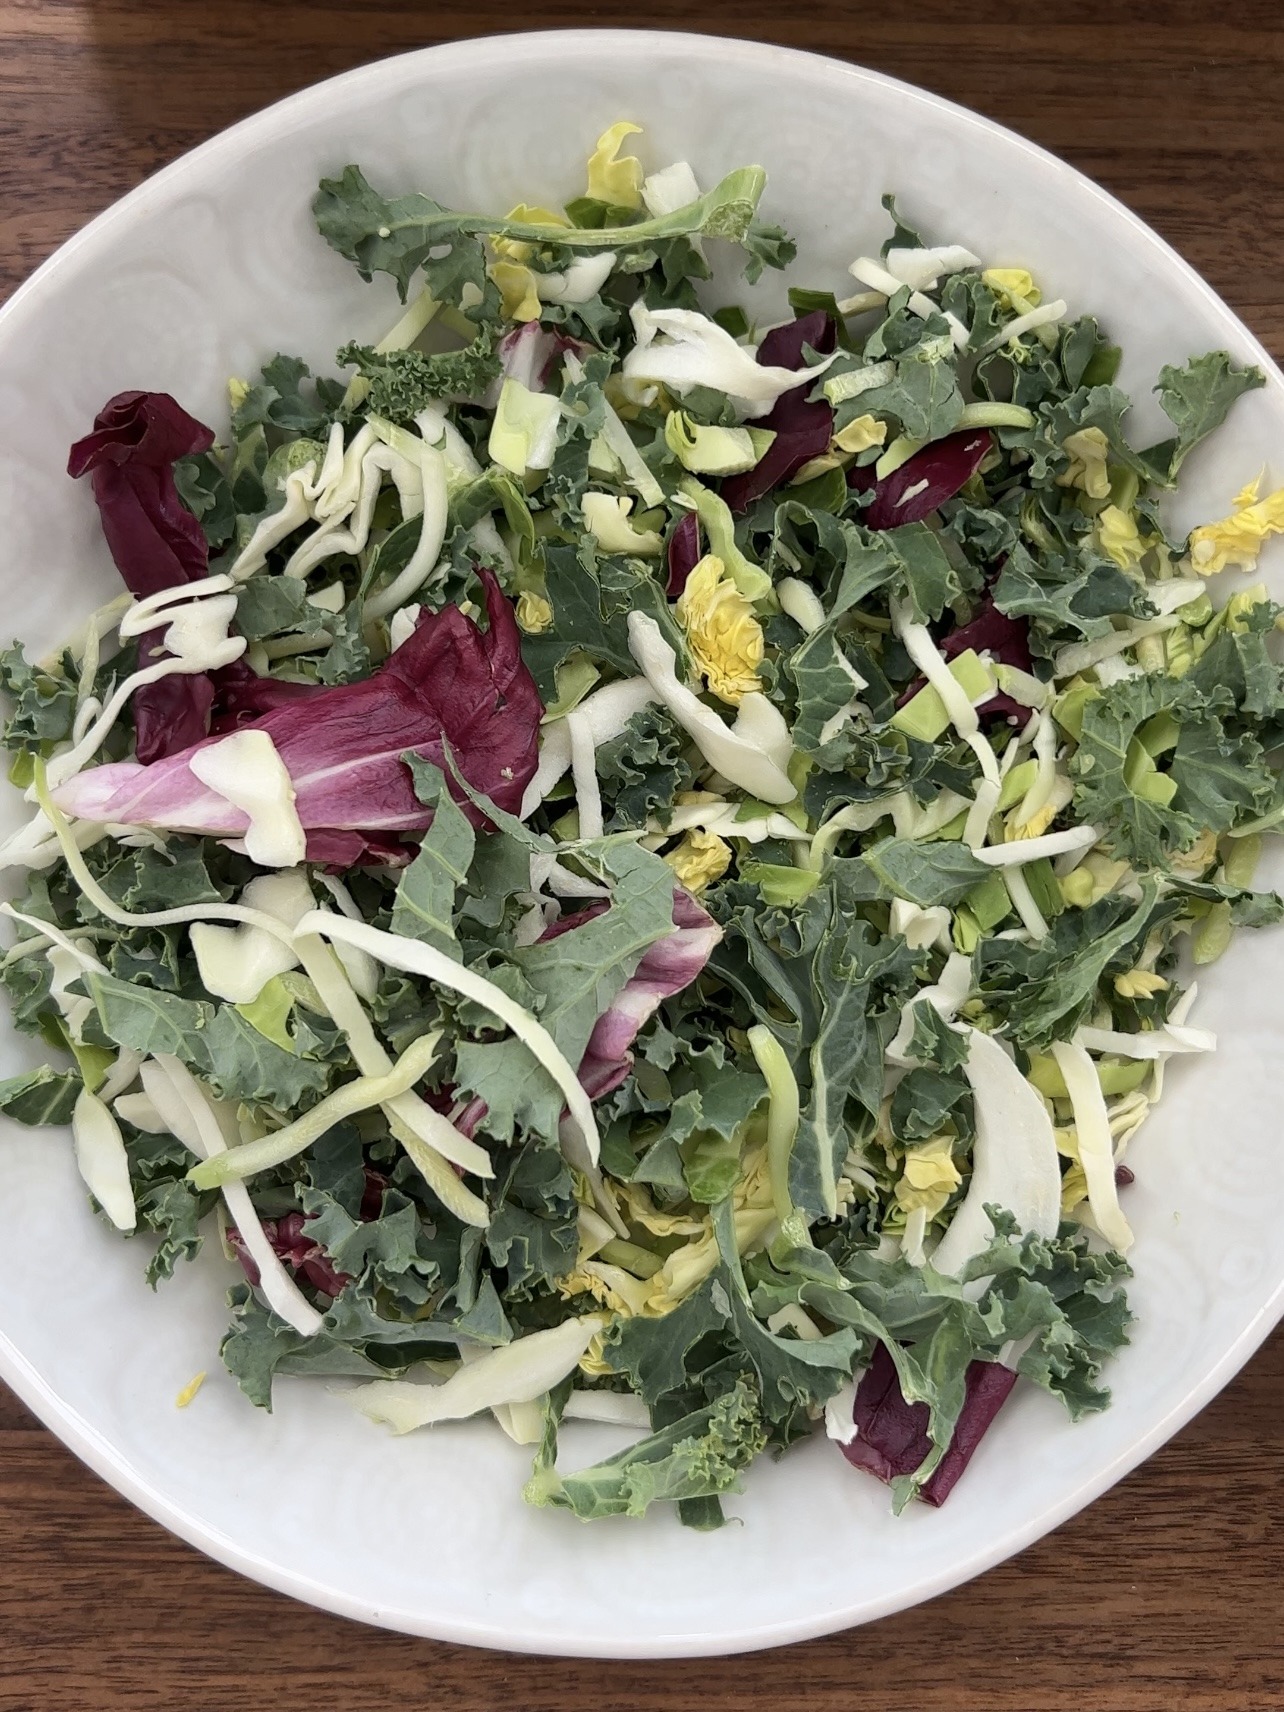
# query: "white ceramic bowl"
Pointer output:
{"type": "Point", "coordinates": [201, 273]}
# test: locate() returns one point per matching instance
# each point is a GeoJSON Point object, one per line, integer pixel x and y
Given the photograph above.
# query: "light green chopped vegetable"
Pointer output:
{"type": "Point", "coordinates": [924, 716]}
{"type": "Point", "coordinates": [714, 451]}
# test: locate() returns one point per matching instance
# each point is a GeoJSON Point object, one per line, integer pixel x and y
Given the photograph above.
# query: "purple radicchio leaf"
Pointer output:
{"type": "Point", "coordinates": [241, 695]}
{"type": "Point", "coordinates": [292, 1245]}
{"type": "Point", "coordinates": [923, 482]}
{"type": "Point", "coordinates": [342, 745]}
{"type": "Point", "coordinates": [338, 850]}
{"type": "Point", "coordinates": [667, 967]}
{"type": "Point", "coordinates": [155, 541]}
{"type": "Point", "coordinates": [306, 1258]}
{"type": "Point", "coordinates": [891, 1433]}
{"type": "Point", "coordinates": [682, 554]}
{"type": "Point", "coordinates": [803, 427]}
{"type": "Point", "coordinates": [529, 354]}
{"type": "Point", "coordinates": [991, 632]}
{"type": "Point", "coordinates": [467, 1120]}
{"type": "Point", "coordinates": [785, 347]}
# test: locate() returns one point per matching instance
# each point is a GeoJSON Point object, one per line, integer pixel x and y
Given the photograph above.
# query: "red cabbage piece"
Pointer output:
{"type": "Point", "coordinates": [668, 966]}
{"type": "Point", "coordinates": [292, 1244]}
{"type": "Point", "coordinates": [891, 1434]}
{"type": "Point", "coordinates": [803, 428]}
{"type": "Point", "coordinates": [682, 554]}
{"type": "Point", "coordinates": [342, 744]}
{"type": "Point", "coordinates": [945, 466]}
{"type": "Point", "coordinates": [155, 541]}
{"type": "Point", "coordinates": [529, 354]}
{"type": "Point", "coordinates": [241, 695]}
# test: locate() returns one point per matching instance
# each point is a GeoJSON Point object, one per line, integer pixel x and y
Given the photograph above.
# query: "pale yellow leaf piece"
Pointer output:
{"type": "Point", "coordinates": [929, 1177]}
{"type": "Point", "coordinates": [1119, 538]}
{"type": "Point", "coordinates": [723, 634]}
{"type": "Point", "coordinates": [1014, 285]}
{"type": "Point", "coordinates": [189, 1391]}
{"type": "Point", "coordinates": [519, 249]}
{"type": "Point", "coordinates": [1234, 542]}
{"type": "Point", "coordinates": [1139, 984]}
{"type": "Point", "coordinates": [699, 860]}
{"type": "Point", "coordinates": [860, 434]}
{"type": "Point", "coordinates": [1088, 449]}
{"type": "Point", "coordinates": [534, 613]}
{"type": "Point", "coordinates": [614, 178]}
{"type": "Point", "coordinates": [517, 289]}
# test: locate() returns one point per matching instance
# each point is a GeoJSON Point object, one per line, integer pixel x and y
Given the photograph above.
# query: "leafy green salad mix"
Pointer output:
{"type": "Point", "coordinates": [631, 866]}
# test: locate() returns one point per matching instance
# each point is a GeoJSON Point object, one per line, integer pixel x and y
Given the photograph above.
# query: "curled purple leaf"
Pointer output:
{"type": "Point", "coordinates": [682, 554]}
{"type": "Point", "coordinates": [891, 1434]}
{"type": "Point", "coordinates": [925, 481]}
{"type": "Point", "coordinates": [137, 439]}
{"type": "Point", "coordinates": [803, 427]}
{"type": "Point", "coordinates": [667, 967]}
{"type": "Point", "coordinates": [154, 540]}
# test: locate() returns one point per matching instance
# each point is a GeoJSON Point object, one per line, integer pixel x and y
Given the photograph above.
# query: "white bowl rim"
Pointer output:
{"type": "Point", "coordinates": [79, 1434]}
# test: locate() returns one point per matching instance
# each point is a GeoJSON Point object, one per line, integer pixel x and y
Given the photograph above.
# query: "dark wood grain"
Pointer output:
{"type": "Point", "coordinates": [1163, 1595]}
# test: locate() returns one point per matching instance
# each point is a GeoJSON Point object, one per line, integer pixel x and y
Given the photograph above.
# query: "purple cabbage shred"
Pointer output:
{"type": "Point", "coordinates": [891, 1434]}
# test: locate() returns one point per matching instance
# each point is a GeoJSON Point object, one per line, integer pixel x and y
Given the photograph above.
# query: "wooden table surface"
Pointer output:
{"type": "Point", "coordinates": [1165, 1593]}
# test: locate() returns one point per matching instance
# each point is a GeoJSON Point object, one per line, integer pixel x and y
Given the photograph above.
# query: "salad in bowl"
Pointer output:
{"type": "Point", "coordinates": [635, 866]}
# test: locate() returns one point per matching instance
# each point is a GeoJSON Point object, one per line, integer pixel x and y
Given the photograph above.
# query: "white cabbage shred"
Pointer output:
{"type": "Point", "coordinates": [517, 1372]}
{"type": "Point", "coordinates": [1014, 1158]}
